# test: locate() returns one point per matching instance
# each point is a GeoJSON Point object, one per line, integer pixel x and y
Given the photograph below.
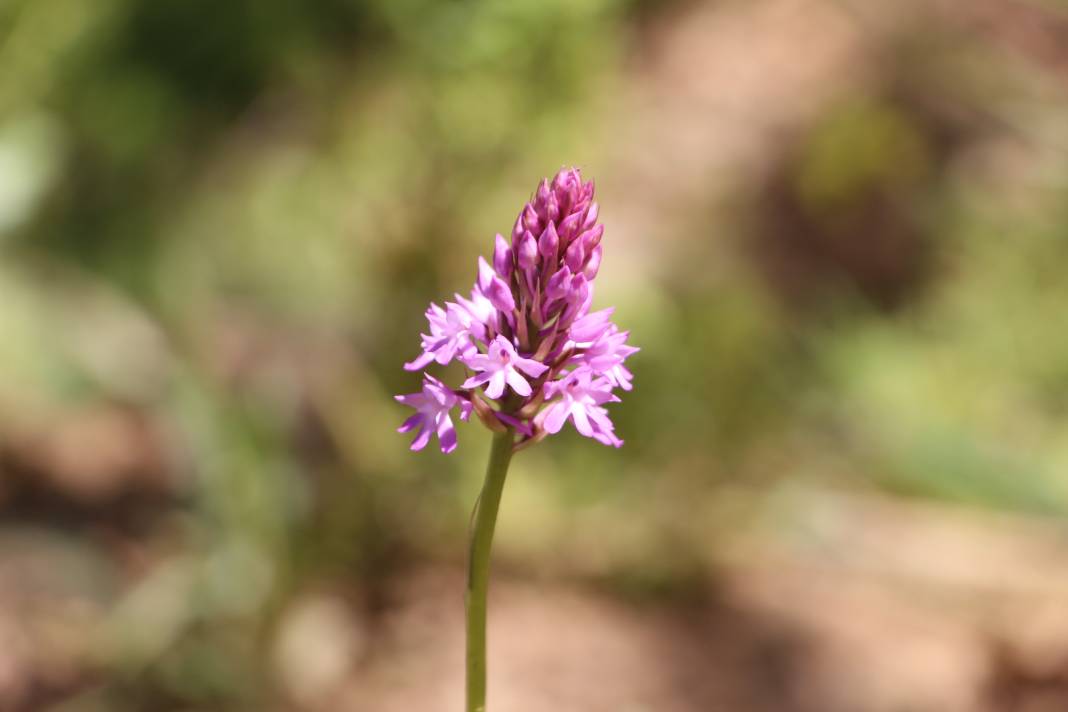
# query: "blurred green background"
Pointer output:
{"type": "Point", "coordinates": [838, 231]}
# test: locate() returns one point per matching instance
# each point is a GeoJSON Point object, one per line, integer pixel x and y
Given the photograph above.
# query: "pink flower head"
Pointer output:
{"type": "Point", "coordinates": [536, 356]}
{"type": "Point", "coordinates": [432, 408]}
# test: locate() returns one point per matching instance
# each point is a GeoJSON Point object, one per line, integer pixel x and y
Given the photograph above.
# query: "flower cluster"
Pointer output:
{"type": "Point", "coordinates": [534, 353]}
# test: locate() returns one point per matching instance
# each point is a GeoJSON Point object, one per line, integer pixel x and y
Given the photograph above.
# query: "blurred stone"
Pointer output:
{"type": "Point", "coordinates": [90, 455]}
{"type": "Point", "coordinates": [53, 591]}
{"type": "Point", "coordinates": [74, 463]}
{"type": "Point", "coordinates": [319, 641]}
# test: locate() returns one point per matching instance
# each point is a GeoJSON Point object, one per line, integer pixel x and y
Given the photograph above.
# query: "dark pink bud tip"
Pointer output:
{"type": "Point", "coordinates": [548, 244]}
{"type": "Point", "coordinates": [502, 257]}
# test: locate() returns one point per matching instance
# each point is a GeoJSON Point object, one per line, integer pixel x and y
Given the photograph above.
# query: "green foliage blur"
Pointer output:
{"type": "Point", "coordinates": [220, 224]}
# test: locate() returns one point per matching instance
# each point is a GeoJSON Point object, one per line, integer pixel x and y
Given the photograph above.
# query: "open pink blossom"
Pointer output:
{"type": "Point", "coordinates": [606, 354]}
{"type": "Point", "coordinates": [581, 395]}
{"type": "Point", "coordinates": [432, 414]}
{"type": "Point", "coordinates": [502, 365]}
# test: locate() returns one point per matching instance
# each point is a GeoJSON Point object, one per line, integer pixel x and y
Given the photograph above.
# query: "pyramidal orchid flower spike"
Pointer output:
{"type": "Point", "coordinates": [526, 336]}
{"type": "Point", "coordinates": [536, 358]}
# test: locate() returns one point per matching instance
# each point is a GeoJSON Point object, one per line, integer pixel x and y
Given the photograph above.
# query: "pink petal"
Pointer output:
{"type": "Point", "coordinates": [582, 423]}
{"type": "Point", "coordinates": [421, 439]}
{"type": "Point", "coordinates": [446, 433]}
{"type": "Point", "coordinates": [412, 422]}
{"type": "Point", "coordinates": [477, 380]}
{"type": "Point", "coordinates": [496, 384]}
{"type": "Point", "coordinates": [517, 382]}
{"type": "Point", "coordinates": [413, 400]}
{"type": "Point", "coordinates": [555, 417]}
{"type": "Point", "coordinates": [421, 360]}
{"type": "Point", "coordinates": [529, 366]}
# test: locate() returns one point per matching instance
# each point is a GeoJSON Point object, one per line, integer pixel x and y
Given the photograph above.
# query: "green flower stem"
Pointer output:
{"type": "Point", "coordinates": [485, 520]}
